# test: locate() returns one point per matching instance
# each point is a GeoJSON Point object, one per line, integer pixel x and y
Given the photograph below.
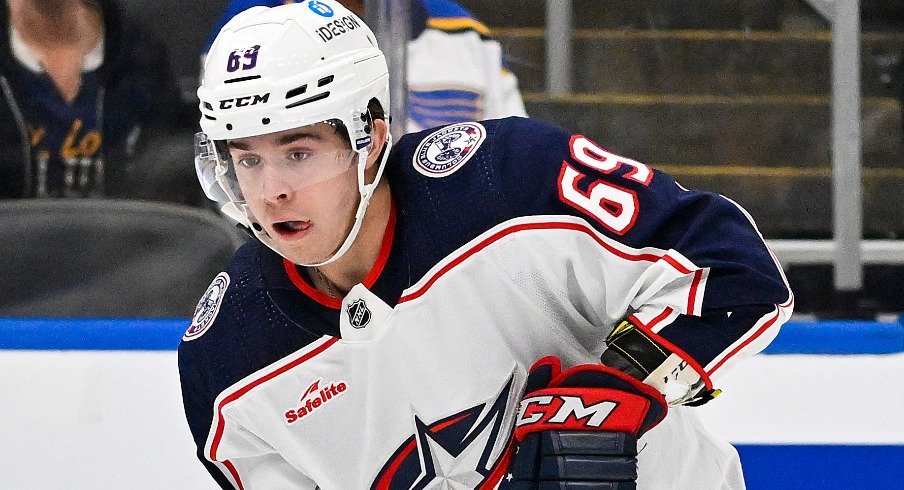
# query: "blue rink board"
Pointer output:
{"type": "Point", "coordinates": [777, 467]}
{"type": "Point", "coordinates": [823, 337]}
{"type": "Point", "coordinates": [765, 466]}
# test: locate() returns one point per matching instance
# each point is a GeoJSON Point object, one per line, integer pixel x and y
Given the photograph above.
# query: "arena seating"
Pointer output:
{"type": "Point", "coordinates": [108, 258]}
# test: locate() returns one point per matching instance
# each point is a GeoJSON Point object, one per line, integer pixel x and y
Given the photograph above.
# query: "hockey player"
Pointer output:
{"type": "Point", "coordinates": [495, 303]}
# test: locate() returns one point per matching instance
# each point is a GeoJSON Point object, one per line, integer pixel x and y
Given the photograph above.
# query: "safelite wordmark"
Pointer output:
{"type": "Point", "coordinates": [314, 398]}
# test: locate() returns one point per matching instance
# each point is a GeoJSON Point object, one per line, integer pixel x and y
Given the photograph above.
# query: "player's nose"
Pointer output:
{"type": "Point", "coordinates": [275, 185]}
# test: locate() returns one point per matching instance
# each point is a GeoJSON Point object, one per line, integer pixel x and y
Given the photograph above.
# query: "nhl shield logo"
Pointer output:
{"type": "Point", "coordinates": [358, 313]}
{"type": "Point", "coordinates": [208, 307]}
{"type": "Point", "coordinates": [448, 149]}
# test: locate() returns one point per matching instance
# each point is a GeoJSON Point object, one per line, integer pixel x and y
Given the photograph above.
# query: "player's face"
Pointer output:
{"type": "Point", "coordinates": [301, 186]}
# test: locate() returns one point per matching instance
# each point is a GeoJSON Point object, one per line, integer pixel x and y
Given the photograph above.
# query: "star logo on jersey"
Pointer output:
{"type": "Point", "coordinates": [448, 149]}
{"type": "Point", "coordinates": [456, 452]}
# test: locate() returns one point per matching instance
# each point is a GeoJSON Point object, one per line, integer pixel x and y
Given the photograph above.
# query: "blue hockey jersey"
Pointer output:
{"type": "Point", "coordinates": [509, 240]}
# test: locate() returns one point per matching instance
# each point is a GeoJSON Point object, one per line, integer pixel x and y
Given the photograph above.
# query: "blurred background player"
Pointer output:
{"type": "Point", "coordinates": [380, 331]}
{"type": "Point", "coordinates": [456, 70]}
{"type": "Point", "coordinates": [84, 89]}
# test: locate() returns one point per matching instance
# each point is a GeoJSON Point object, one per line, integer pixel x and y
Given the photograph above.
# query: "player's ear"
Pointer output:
{"type": "Point", "coordinates": [377, 140]}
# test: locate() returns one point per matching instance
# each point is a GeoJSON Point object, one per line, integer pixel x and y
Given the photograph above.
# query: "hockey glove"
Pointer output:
{"type": "Point", "coordinates": [578, 429]}
{"type": "Point", "coordinates": [649, 358]}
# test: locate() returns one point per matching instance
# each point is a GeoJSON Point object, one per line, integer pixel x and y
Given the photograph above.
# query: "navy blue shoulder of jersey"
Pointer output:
{"type": "Point", "coordinates": [527, 168]}
{"type": "Point", "coordinates": [262, 318]}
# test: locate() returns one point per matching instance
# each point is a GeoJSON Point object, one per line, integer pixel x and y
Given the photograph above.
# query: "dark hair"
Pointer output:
{"type": "Point", "coordinates": [374, 111]}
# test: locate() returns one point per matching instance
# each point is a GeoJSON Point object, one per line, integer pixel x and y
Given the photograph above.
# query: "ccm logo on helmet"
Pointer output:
{"type": "Point", "coordinates": [244, 101]}
{"type": "Point", "coordinates": [564, 410]}
{"type": "Point", "coordinates": [337, 27]}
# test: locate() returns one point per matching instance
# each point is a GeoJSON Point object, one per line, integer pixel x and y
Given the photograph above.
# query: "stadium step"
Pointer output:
{"type": "Point", "coordinates": [762, 131]}
{"type": "Point", "coordinates": [661, 14]}
{"type": "Point", "coordinates": [792, 202]}
{"type": "Point", "coordinates": [712, 62]}
{"type": "Point", "coordinates": [683, 14]}
{"type": "Point", "coordinates": [772, 154]}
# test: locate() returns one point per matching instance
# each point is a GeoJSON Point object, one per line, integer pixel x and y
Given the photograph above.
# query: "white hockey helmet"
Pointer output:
{"type": "Point", "coordinates": [280, 68]}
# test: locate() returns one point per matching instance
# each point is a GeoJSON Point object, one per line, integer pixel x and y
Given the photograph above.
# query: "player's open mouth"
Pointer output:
{"type": "Point", "coordinates": [291, 229]}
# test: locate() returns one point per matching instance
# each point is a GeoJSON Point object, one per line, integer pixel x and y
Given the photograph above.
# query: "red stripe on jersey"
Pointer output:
{"type": "Point", "coordinates": [390, 472]}
{"type": "Point", "coordinates": [235, 474]}
{"type": "Point", "coordinates": [674, 263]}
{"type": "Point", "coordinates": [756, 334]}
{"type": "Point", "coordinates": [790, 300]}
{"type": "Point", "coordinates": [385, 248]}
{"type": "Point", "coordinates": [312, 292]}
{"type": "Point", "coordinates": [672, 347]}
{"type": "Point", "coordinates": [692, 297]}
{"type": "Point", "coordinates": [648, 257]}
{"type": "Point", "coordinates": [660, 317]}
{"type": "Point", "coordinates": [238, 393]}
{"type": "Point", "coordinates": [369, 280]}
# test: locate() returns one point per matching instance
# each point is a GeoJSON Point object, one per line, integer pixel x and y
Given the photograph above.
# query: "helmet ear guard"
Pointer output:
{"type": "Point", "coordinates": [367, 119]}
{"type": "Point", "coordinates": [273, 69]}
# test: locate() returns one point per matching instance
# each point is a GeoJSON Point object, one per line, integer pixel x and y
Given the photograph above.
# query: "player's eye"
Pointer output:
{"type": "Point", "coordinates": [297, 156]}
{"type": "Point", "coordinates": [248, 161]}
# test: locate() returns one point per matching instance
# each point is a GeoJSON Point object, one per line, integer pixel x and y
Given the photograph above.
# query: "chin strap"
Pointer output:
{"type": "Point", "coordinates": [366, 191]}
{"type": "Point", "coordinates": [231, 211]}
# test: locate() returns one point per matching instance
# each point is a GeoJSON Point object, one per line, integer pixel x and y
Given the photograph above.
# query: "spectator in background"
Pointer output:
{"type": "Point", "coordinates": [83, 88]}
{"type": "Point", "coordinates": [455, 69]}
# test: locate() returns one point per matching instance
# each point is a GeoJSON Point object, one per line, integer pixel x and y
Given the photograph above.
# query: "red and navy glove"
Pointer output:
{"type": "Point", "coordinates": [578, 429]}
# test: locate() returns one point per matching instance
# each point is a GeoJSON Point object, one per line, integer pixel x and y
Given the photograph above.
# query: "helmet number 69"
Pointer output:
{"type": "Point", "coordinates": [234, 62]}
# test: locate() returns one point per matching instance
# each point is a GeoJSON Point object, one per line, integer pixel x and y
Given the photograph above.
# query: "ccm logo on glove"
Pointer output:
{"type": "Point", "coordinates": [580, 409]}
{"type": "Point", "coordinates": [536, 408]}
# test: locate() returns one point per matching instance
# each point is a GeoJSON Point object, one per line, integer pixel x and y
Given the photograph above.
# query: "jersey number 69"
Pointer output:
{"type": "Point", "coordinates": [611, 205]}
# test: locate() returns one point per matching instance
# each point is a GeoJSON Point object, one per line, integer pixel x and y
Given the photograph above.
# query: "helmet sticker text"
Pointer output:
{"type": "Point", "coordinates": [338, 27]}
{"type": "Point", "coordinates": [235, 61]}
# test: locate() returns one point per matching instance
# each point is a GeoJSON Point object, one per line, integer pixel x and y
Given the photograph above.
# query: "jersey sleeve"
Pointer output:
{"type": "Point", "coordinates": [233, 455]}
{"type": "Point", "coordinates": [222, 347]}
{"type": "Point", "coordinates": [696, 271]}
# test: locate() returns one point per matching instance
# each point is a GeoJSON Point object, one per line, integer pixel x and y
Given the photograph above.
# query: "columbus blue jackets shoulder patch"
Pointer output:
{"type": "Point", "coordinates": [208, 307]}
{"type": "Point", "coordinates": [447, 149]}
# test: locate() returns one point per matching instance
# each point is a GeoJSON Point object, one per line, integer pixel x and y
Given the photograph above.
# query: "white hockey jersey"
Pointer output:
{"type": "Point", "coordinates": [508, 241]}
{"type": "Point", "coordinates": [456, 71]}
